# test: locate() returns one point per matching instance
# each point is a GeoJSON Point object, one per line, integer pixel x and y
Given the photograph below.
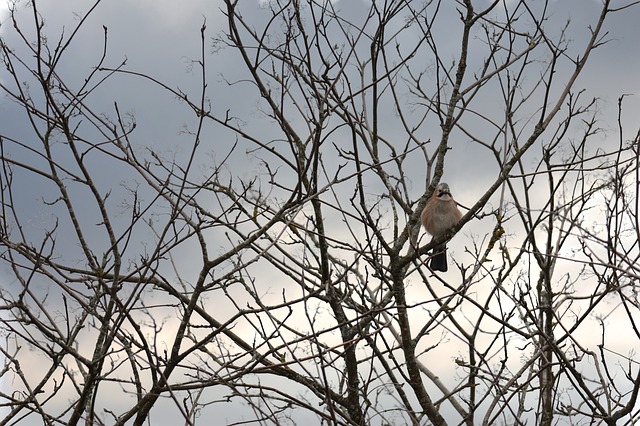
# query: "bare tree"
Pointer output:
{"type": "Point", "coordinates": [275, 263]}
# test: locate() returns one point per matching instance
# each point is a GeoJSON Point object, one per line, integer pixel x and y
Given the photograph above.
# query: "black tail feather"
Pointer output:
{"type": "Point", "coordinates": [439, 259]}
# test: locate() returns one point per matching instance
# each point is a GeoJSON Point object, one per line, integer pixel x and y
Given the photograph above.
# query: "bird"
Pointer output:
{"type": "Point", "coordinates": [439, 215]}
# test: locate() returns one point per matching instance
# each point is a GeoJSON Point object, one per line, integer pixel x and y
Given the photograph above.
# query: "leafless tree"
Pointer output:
{"type": "Point", "coordinates": [274, 263]}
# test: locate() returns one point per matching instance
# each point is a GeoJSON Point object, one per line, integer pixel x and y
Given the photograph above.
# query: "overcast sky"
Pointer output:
{"type": "Point", "coordinates": [161, 38]}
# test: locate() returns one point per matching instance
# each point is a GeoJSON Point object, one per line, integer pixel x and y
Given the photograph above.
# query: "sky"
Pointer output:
{"type": "Point", "coordinates": [162, 38]}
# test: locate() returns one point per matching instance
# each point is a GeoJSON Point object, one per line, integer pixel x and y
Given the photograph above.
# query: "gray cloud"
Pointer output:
{"type": "Point", "coordinates": [162, 39]}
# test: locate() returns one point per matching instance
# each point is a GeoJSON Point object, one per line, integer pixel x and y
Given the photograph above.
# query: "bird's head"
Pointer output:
{"type": "Point", "coordinates": [442, 190]}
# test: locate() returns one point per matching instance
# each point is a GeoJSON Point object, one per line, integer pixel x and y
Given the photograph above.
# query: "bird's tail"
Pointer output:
{"type": "Point", "coordinates": [439, 259]}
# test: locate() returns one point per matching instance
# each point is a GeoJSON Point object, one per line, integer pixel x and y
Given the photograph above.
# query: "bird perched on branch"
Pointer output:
{"type": "Point", "coordinates": [440, 214]}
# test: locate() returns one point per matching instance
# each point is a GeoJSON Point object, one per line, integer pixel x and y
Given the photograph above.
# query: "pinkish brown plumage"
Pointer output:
{"type": "Point", "coordinates": [440, 214]}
